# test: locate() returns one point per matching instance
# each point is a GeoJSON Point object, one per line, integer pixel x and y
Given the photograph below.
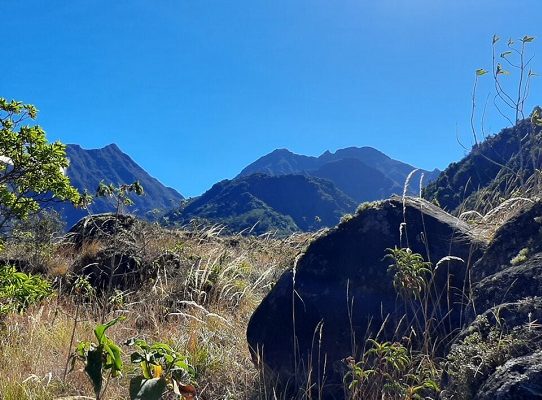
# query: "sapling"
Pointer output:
{"type": "Point", "coordinates": [101, 358]}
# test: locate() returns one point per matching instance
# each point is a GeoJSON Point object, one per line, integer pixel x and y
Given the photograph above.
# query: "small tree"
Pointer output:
{"type": "Point", "coordinates": [31, 168]}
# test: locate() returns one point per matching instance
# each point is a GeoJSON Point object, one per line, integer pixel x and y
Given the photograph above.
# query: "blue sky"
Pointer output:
{"type": "Point", "coordinates": [195, 90]}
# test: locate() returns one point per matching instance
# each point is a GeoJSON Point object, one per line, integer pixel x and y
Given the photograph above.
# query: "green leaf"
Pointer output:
{"type": "Point", "coordinates": [505, 54]}
{"type": "Point", "coordinates": [147, 389]}
{"type": "Point", "coordinates": [480, 72]}
{"type": "Point", "coordinates": [114, 361]}
{"type": "Point", "coordinates": [145, 370]}
{"type": "Point", "coordinates": [527, 39]}
{"type": "Point", "coordinates": [501, 71]}
{"type": "Point", "coordinates": [93, 368]}
{"type": "Point", "coordinates": [99, 331]}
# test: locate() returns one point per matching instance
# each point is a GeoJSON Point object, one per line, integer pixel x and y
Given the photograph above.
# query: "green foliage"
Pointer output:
{"type": "Point", "coordinates": [33, 240]}
{"type": "Point", "coordinates": [162, 369]}
{"type": "Point", "coordinates": [101, 357]}
{"type": "Point", "coordinates": [259, 204]}
{"type": "Point", "coordinates": [19, 290]}
{"type": "Point", "coordinates": [390, 370]}
{"type": "Point", "coordinates": [521, 257]}
{"type": "Point", "coordinates": [410, 272]}
{"type": "Point", "coordinates": [120, 193]}
{"type": "Point", "coordinates": [479, 354]}
{"type": "Point", "coordinates": [31, 169]}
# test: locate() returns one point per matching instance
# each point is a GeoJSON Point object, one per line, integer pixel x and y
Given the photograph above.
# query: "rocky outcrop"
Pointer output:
{"type": "Point", "coordinates": [492, 357]}
{"type": "Point", "coordinates": [518, 379]}
{"type": "Point", "coordinates": [511, 268]}
{"type": "Point", "coordinates": [108, 251]}
{"type": "Point", "coordinates": [498, 355]}
{"type": "Point", "coordinates": [341, 292]}
{"type": "Point", "coordinates": [104, 227]}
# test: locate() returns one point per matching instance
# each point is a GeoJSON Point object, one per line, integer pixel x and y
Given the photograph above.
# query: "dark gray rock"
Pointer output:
{"type": "Point", "coordinates": [511, 284]}
{"type": "Point", "coordinates": [342, 286]}
{"type": "Point", "coordinates": [506, 316]}
{"type": "Point", "coordinates": [518, 379]}
{"type": "Point", "coordinates": [511, 267]}
{"type": "Point", "coordinates": [500, 334]}
{"type": "Point", "coordinates": [113, 269]}
{"type": "Point", "coordinates": [108, 251]}
{"type": "Point", "coordinates": [523, 231]}
{"type": "Point", "coordinates": [507, 285]}
{"type": "Point", "coordinates": [104, 227]}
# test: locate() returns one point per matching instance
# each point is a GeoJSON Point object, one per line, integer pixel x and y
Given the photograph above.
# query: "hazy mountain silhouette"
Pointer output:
{"type": "Point", "coordinates": [89, 167]}
{"type": "Point", "coordinates": [364, 173]}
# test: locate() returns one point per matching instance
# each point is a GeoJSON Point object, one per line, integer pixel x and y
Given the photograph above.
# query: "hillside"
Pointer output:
{"type": "Point", "coordinates": [496, 169]}
{"type": "Point", "coordinates": [357, 180]}
{"type": "Point", "coordinates": [285, 203]}
{"type": "Point", "coordinates": [373, 174]}
{"type": "Point", "coordinates": [89, 167]}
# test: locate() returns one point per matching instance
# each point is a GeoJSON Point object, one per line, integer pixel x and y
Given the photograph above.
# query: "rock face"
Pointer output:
{"type": "Point", "coordinates": [340, 292]}
{"type": "Point", "coordinates": [503, 344]}
{"type": "Point", "coordinates": [102, 227]}
{"type": "Point", "coordinates": [511, 268]}
{"type": "Point", "coordinates": [518, 378]}
{"type": "Point", "coordinates": [498, 355]}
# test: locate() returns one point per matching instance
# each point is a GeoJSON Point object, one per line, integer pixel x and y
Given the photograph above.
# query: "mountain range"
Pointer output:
{"type": "Point", "coordinates": [363, 173]}
{"type": "Point", "coordinates": [281, 191]}
{"type": "Point", "coordinates": [109, 164]}
{"type": "Point", "coordinates": [285, 192]}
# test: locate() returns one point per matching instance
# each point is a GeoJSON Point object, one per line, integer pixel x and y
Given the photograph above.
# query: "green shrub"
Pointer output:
{"type": "Point", "coordinates": [478, 355]}
{"type": "Point", "coordinates": [19, 290]}
{"type": "Point", "coordinates": [521, 257]}
{"type": "Point", "coordinates": [392, 371]}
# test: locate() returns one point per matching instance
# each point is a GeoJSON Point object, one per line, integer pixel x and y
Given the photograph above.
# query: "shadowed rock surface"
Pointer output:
{"type": "Point", "coordinates": [503, 344]}
{"type": "Point", "coordinates": [347, 266]}
{"type": "Point", "coordinates": [103, 227]}
{"type": "Point", "coordinates": [518, 379]}
{"type": "Point", "coordinates": [109, 256]}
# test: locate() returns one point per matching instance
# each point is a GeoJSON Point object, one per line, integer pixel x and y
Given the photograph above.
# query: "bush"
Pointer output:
{"type": "Point", "coordinates": [19, 290]}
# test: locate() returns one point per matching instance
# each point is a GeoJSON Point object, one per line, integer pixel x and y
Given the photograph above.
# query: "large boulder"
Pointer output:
{"type": "Point", "coordinates": [498, 355]}
{"type": "Point", "coordinates": [519, 378]}
{"type": "Point", "coordinates": [107, 227]}
{"type": "Point", "coordinates": [511, 267]}
{"type": "Point", "coordinates": [340, 292]}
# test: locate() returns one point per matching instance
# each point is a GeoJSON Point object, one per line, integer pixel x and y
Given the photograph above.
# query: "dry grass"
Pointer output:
{"type": "Point", "coordinates": [200, 304]}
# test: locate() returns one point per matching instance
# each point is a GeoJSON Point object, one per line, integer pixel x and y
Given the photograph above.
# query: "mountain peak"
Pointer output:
{"type": "Point", "coordinates": [373, 169]}
{"type": "Point", "coordinates": [281, 151]}
{"type": "Point", "coordinates": [111, 146]}
{"type": "Point", "coordinates": [89, 167]}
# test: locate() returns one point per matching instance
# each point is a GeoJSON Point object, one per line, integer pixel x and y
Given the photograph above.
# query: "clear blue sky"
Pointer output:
{"type": "Point", "coordinates": [194, 90]}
